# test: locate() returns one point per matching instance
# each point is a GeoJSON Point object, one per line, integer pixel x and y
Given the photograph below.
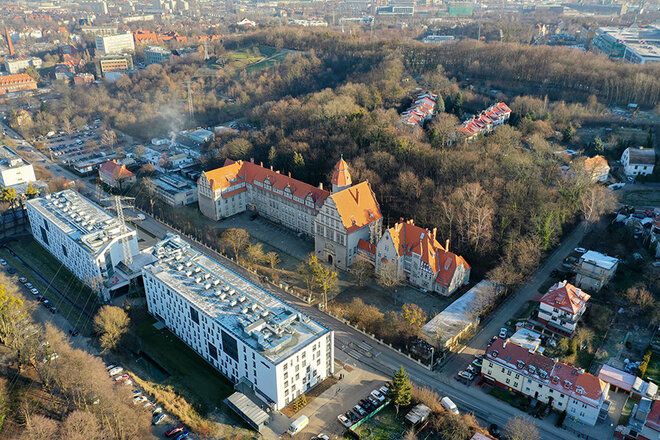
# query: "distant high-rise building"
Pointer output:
{"type": "Point", "coordinates": [113, 44]}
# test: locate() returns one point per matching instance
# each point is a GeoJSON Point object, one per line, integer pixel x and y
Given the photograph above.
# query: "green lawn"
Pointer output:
{"type": "Point", "coordinates": [384, 425]}
{"type": "Point", "coordinates": [57, 276]}
{"type": "Point", "coordinates": [189, 373]}
{"type": "Point", "coordinates": [514, 399]}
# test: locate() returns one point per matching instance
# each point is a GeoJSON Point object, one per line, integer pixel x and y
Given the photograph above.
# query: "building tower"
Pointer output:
{"type": "Point", "coordinates": [341, 178]}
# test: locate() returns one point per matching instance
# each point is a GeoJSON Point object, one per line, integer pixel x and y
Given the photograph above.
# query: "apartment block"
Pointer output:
{"type": "Point", "coordinates": [240, 329]}
{"type": "Point", "coordinates": [81, 235]}
{"type": "Point", "coordinates": [14, 170]}
{"type": "Point", "coordinates": [114, 44]}
{"type": "Point", "coordinates": [16, 83]}
{"type": "Point", "coordinates": [562, 386]}
{"type": "Point", "coordinates": [19, 65]}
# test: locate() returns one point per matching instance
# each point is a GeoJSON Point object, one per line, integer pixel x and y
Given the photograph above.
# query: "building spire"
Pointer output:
{"type": "Point", "coordinates": [341, 177]}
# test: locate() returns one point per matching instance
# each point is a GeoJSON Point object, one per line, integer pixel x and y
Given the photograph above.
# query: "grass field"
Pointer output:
{"type": "Point", "coordinates": [516, 400]}
{"type": "Point", "coordinates": [648, 197]}
{"type": "Point", "coordinates": [384, 425]}
{"type": "Point", "coordinates": [188, 371]}
{"type": "Point", "coordinates": [653, 370]}
{"type": "Point", "coordinates": [56, 276]}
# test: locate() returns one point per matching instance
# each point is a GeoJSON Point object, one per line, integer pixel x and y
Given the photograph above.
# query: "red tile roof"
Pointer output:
{"type": "Point", "coordinates": [411, 239]}
{"type": "Point", "coordinates": [341, 175]}
{"type": "Point", "coordinates": [116, 171]}
{"type": "Point", "coordinates": [653, 419]}
{"type": "Point", "coordinates": [367, 247]}
{"type": "Point", "coordinates": [564, 378]}
{"type": "Point", "coordinates": [566, 297]}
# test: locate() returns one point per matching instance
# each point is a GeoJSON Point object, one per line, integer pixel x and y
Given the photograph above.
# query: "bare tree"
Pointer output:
{"type": "Point", "coordinates": [111, 323]}
{"type": "Point", "coordinates": [596, 201]}
{"type": "Point", "coordinates": [521, 428]}
{"type": "Point", "coordinates": [81, 425]}
{"type": "Point", "coordinates": [361, 271]}
{"type": "Point", "coordinates": [272, 259]}
{"type": "Point", "coordinates": [39, 427]}
{"type": "Point", "coordinates": [237, 239]}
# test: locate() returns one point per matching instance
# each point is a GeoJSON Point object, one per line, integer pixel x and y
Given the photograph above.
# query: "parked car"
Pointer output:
{"type": "Point", "coordinates": [375, 402]}
{"type": "Point", "coordinates": [11, 270]}
{"type": "Point", "coordinates": [478, 362]}
{"type": "Point", "coordinates": [579, 250]}
{"type": "Point", "coordinates": [53, 310]}
{"type": "Point", "coordinates": [115, 370]}
{"type": "Point", "coordinates": [122, 378]}
{"type": "Point", "coordinates": [385, 390]}
{"type": "Point", "coordinates": [22, 280]}
{"type": "Point", "coordinates": [368, 406]}
{"type": "Point", "coordinates": [47, 304]}
{"type": "Point", "coordinates": [449, 405]}
{"type": "Point", "coordinates": [465, 375]}
{"type": "Point", "coordinates": [137, 392]}
{"type": "Point", "coordinates": [74, 332]}
{"type": "Point", "coordinates": [344, 420]}
{"type": "Point", "coordinates": [175, 430]}
{"type": "Point", "coordinates": [494, 430]}
{"type": "Point", "coordinates": [183, 435]}
{"type": "Point", "coordinates": [157, 410]}
{"type": "Point", "coordinates": [29, 285]}
{"type": "Point", "coordinates": [34, 291]}
{"type": "Point", "coordinates": [359, 410]}
{"type": "Point", "coordinates": [322, 437]}
{"type": "Point", "coordinates": [471, 369]}
{"type": "Point", "coordinates": [159, 418]}
{"type": "Point", "coordinates": [503, 333]}
{"type": "Point", "coordinates": [139, 399]}
{"type": "Point", "coordinates": [378, 395]}
{"type": "Point", "coordinates": [3, 261]}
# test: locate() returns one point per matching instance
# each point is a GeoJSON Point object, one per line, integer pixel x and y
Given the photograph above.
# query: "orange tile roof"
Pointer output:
{"type": "Point", "coordinates": [411, 239]}
{"type": "Point", "coordinates": [18, 78]}
{"type": "Point", "coordinates": [235, 172]}
{"type": "Point", "coordinates": [566, 297]}
{"type": "Point", "coordinates": [367, 247]}
{"type": "Point", "coordinates": [595, 163]}
{"type": "Point", "coordinates": [116, 171]}
{"type": "Point", "coordinates": [341, 175]}
{"type": "Point", "coordinates": [357, 206]}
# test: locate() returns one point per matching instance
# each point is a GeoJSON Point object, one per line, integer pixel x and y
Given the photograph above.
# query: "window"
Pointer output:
{"type": "Point", "coordinates": [229, 346]}
{"type": "Point", "coordinates": [213, 352]}
{"type": "Point", "coordinates": [194, 315]}
{"type": "Point", "coordinates": [44, 236]}
{"type": "Point", "coordinates": [64, 251]}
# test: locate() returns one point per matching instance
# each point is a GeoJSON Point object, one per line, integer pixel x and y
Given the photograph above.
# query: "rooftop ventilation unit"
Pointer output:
{"type": "Point", "coordinates": [233, 302]}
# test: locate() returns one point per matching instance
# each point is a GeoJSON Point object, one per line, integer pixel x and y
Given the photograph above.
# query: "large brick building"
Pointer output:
{"type": "Point", "coordinates": [16, 83]}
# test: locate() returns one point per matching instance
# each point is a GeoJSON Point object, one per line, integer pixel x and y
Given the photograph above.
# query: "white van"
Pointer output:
{"type": "Point", "coordinates": [449, 405]}
{"type": "Point", "coordinates": [298, 425]}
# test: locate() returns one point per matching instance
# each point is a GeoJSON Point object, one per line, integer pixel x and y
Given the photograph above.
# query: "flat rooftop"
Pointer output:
{"type": "Point", "coordinates": [268, 325]}
{"type": "Point", "coordinates": [80, 219]}
{"type": "Point", "coordinates": [173, 184]}
{"type": "Point", "coordinates": [10, 159]}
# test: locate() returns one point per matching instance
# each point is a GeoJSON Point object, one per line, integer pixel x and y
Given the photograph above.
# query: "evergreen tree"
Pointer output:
{"type": "Point", "coordinates": [458, 105]}
{"type": "Point", "coordinates": [401, 390]}
{"type": "Point", "coordinates": [440, 105]}
{"type": "Point", "coordinates": [569, 132]}
{"type": "Point", "coordinates": [649, 139]}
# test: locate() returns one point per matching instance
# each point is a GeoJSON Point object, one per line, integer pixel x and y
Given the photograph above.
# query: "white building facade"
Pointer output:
{"type": "Point", "coordinates": [115, 44]}
{"type": "Point", "coordinates": [595, 270]}
{"type": "Point", "coordinates": [14, 170]}
{"type": "Point", "coordinates": [237, 327]}
{"type": "Point", "coordinates": [562, 386]}
{"type": "Point", "coordinates": [79, 234]}
{"type": "Point", "coordinates": [638, 161]}
{"type": "Point", "coordinates": [19, 65]}
{"type": "Point", "coordinates": [562, 306]}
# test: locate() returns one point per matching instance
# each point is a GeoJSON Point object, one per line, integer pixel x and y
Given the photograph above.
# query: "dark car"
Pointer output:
{"type": "Point", "coordinates": [366, 405]}
{"type": "Point", "coordinates": [11, 270]}
{"type": "Point", "coordinates": [494, 430]}
{"type": "Point", "coordinates": [47, 304]}
{"type": "Point", "coordinates": [74, 332]}
{"type": "Point", "coordinates": [351, 415]}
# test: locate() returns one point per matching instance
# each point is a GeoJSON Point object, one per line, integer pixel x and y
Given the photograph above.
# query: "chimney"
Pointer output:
{"type": "Point", "coordinates": [289, 173]}
{"type": "Point", "coordinates": [252, 159]}
{"type": "Point", "coordinates": [261, 164]}
{"type": "Point", "coordinates": [271, 168]}
{"type": "Point", "coordinates": [435, 230]}
{"type": "Point", "coordinates": [320, 185]}
{"type": "Point", "coordinates": [447, 245]}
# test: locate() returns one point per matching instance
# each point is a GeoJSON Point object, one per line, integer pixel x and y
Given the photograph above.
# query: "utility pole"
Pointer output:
{"type": "Point", "coordinates": [118, 207]}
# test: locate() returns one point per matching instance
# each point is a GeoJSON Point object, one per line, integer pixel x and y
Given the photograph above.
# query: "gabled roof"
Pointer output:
{"type": "Point", "coordinates": [653, 419]}
{"type": "Point", "coordinates": [116, 171]}
{"type": "Point", "coordinates": [357, 206]}
{"type": "Point", "coordinates": [367, 247]}
{"type": "Point", "coordinates": [564, 378]}
{"type": "Point", "coordinates": [594, 163]}
{"type": "Point", "coordinates": [236, 172]}
{"type": "Point", "coordinates": [411, 239]}
{"type": "Point", "coordinates": [566, 297]}
{"type": "Point", "coordinates": [642, 156]}
{"type": "Point", "coordinates": [341, 175]}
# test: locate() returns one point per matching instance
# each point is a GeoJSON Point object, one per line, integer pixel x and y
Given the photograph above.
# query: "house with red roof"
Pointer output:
{"type": "Point", "coordinates": [116, 175]}
{"type": "Point", "coordinates": [420, 259]}
{"type": "Point", "coordinates": [486, 121]}
{"type": "Point", "coordinates": [562, 386]}
{"type": "Point", "coordinates": [562, 306]}
{"type": "Point", "coordinates": [421, 110]}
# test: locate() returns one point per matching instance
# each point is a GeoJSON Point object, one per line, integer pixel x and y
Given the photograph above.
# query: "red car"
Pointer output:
{"type": "Point", "coordinates": [175, 430]}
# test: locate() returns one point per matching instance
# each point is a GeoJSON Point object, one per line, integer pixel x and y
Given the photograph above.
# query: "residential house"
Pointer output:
{"type": "Point", "coordinates": [644, 422]}
{"type": "Point", "coordinates": [638, 161]}
{"type": "Point", "coordinates": [116, 175]}
{"type": "Point", "coordinates": [562, 386]}
{"type": "Point", "coordinates": [420, 259]}
{"type": "Point", "coordinates": [598, 168]}
{"type": "Point", "coordinates": [421, 110]}
{"type": "Point", "coordinates": [595, 270]}
{"type": "Point", "coordinates": [562, 306]}
{"type": "Point", "coordinates": [486, 121]}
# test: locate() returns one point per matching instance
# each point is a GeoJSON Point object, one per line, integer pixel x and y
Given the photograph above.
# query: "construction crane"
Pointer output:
{"type": "Point", "coordinates": [118, 207]}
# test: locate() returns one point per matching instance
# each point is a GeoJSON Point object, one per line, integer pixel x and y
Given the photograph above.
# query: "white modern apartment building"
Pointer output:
{"type": "Point", "coordinates": [244, 332]}
{"type": "Point", "coordinates": [562, 386]}
{"type": "Point", "coordinates": [14, 170]}
{"type": "Point", "coordinates": [19, 65]}
{"type": "Point", "coordinates": [115, 44]}
{"type": "Point", "coordinates": [157, 55]}
{"type": "Point", "coordinates": [81, 235]}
